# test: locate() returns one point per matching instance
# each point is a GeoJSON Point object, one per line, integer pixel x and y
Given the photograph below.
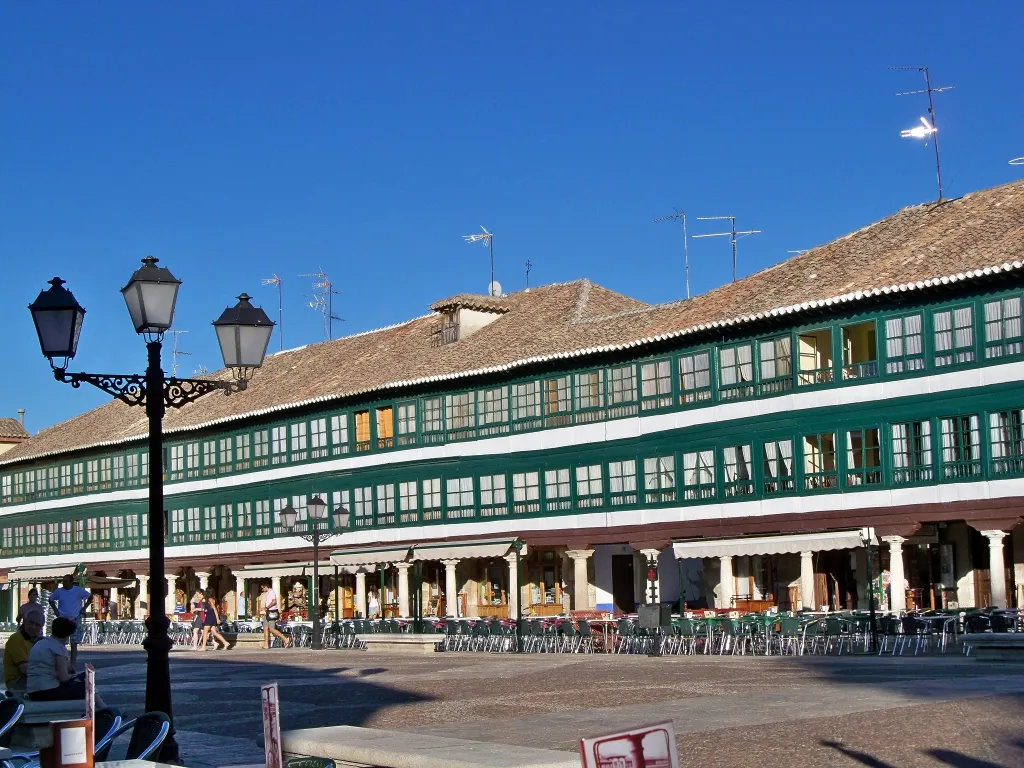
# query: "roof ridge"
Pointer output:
{"type": "Point", "coordinates": [581, 301]}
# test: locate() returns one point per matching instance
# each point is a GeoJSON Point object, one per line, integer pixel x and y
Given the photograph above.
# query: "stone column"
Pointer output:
{"type": "Point", "coordinates": [897, 578]}
{"type": "Point", "coordinates": [403, 589]}
{"type": "Point", "coordinates": [451, 588]}
{"type": "Point", "coordinates": [240, 590]}
{"type": "Point", "coordinates": [172, 581]}
{"type": "Point", "coordinates": [725, 582]}
{"type": "Point", "coordinates": [996, 568]}
{"type": "Point", "coordinates": [276, 586]}
{"type": "Point", "coordinates": [361, 592]}
{"type": "Point", "coordinates": [807, 581]}
{"type": "Point", "coordinates": [513, 591]}
{"type": "Point", "coordinates": [142, 601]}
{"type": "Point", "coordinates": [581, 582]}
{"type": "Point", "coordinates": [204, 580]}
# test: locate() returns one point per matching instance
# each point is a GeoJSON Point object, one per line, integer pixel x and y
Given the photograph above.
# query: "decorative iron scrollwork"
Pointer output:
{"type": "Point", "coordinates": [179, 392]}
{"type": "Point", "coordinates": [130, 389]}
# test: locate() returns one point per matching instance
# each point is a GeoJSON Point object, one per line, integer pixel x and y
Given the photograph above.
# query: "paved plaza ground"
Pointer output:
{"type": "Point", "coordinates": [765, 712]}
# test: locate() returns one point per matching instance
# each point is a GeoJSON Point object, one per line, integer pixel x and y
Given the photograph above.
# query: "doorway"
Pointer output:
{"type": "Point", "coordinates": [623, 595]}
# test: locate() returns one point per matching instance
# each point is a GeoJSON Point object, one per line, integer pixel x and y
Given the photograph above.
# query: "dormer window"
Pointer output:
{"type": "Point", "coordinates": [459, 317]}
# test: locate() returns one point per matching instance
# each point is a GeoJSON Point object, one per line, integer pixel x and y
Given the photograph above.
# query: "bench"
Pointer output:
{"type": "Point", "coordinates": [1002, 646]}
{"type": "Point", "coordinates": [400, 642]}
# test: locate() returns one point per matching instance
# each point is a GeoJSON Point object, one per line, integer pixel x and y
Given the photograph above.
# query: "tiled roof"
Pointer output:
{"type": "Point", "coordinates": [11, 429]}
{"type": "Point", "coordinates": [921, 246]}
{"type": "Point", "coordinates": [473, 301]}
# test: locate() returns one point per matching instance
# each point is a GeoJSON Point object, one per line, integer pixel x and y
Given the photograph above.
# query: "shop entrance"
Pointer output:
{"type": "Point", "coordinates": [623, 595]}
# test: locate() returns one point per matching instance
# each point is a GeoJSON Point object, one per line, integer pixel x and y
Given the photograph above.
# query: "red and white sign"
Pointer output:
{"type": "Point", "coordinates": [653, 746]}
{"type": "Point", "coordinates": [271, 725]}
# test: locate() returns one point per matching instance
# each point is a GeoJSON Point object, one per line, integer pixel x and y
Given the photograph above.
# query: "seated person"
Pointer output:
{"type": "Point", "coordinates": [50, 676]}
{"type": "Point", "coordinates": [17, 649]}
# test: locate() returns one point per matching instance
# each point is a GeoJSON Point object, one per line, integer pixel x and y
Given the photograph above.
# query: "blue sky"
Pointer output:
{"type": "Point", "coordinates": [238, 140]}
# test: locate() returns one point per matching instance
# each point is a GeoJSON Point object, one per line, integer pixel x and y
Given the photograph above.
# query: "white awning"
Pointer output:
{"type": "Point", "coordinates": [370, 556]}
{"type": "Point", "coordinates": [449, 550]}
{"type": "Point", "coordinates": [768, 545]}
{"type": "Point", "coordinates": [43, 573]}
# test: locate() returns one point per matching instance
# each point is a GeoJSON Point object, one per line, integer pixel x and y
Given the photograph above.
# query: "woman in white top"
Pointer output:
{"type": "Point", "coordinates": [373, 605]}
{"type": "Point", "coordinates": [50, 676]}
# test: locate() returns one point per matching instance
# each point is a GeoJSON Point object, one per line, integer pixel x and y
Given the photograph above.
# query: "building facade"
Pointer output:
{"type": "Point", "coordinates": [752, 441]}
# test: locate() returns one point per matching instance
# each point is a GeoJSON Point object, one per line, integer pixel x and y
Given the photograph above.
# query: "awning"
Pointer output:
{"type": "Point", "coordinates": [448, 550]}
{"type": "Point", "coordinates": [106, 582]}
{"type": "Point", "coordinates": [44, 573]}
{"type": "Point", "coordinates": [768, 545]}
{"type": "Point", "coordinates": [370, 556]}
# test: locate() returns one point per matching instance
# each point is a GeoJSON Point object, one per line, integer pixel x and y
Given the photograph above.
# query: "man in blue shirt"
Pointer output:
{"type": "Point", "coordinates": [68, 601]}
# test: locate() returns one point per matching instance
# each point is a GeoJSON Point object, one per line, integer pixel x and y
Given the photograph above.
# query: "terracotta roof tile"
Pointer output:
{"type": "Point", "coordinates": [11, 428]}
{"type": "Point", "coordinates": [915, 247]}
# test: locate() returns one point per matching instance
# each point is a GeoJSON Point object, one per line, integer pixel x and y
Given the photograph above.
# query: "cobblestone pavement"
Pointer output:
{"type": "Point", "coordinates": [936, 711]}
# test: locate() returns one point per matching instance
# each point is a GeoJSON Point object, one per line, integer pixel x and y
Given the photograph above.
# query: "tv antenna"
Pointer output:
{"type": "Point", "coordinates": [928, 128]}
{"type": "Point", "coordinates": [487, 238]}
{"type": "Point", "coordinates": [1017, 161]}
{"type": "Point", "coordinates": [175, 351]}
{"type": "Point", "coordinates": [732, 234]}
{"type": "Point", "coordinates": [275, 280]}
{"type": "Point", "coordinates": [322, 300]}
{"type": "Point", "coordinates": [529, 266]}
{"type": "Point", "coordinates": [686, 253]}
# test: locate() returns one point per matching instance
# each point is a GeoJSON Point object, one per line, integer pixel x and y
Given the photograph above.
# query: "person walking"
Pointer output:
{"type": "Point", "coordinates": [373, 605]}
{"type": "Point", "coordinates": [198, 611]}
{"type": "Point", "coordinates": [69, 602]}
{"type": "Point", "coordinates": [270, 610]}
{"type": "Point", "coordinates": [211, 622]}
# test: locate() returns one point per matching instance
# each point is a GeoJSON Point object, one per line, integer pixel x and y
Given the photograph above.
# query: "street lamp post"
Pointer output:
{"type": "Point", "coordinates": [317, 511]}
{"type": "Point", "coordinates": [243, 332]}
{"type": "Point", "coordinates": [866, 535]}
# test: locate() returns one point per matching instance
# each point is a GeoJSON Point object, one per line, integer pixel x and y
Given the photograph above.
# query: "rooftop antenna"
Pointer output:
{"type": "Point", "coordinates": [487, 239]}
{"type": "Point", "coordinates": [322, 300]}
{"type": "Point", "coordinates": [686, 253]}
{"type": "Point", "coordinates": [799, 251]}
{"type": "Point", "coordinates": [1017, 161]}
{"type": "Point", "coordinates": [529, 266]}
{"type": "Point", "coordinates": [175, 351]}
{"type": "Point", "coordinates": [732, 233]}
{"type": "Point", "coordinates": [926, 129]}
{"type": "Point", "coordinates": [275, 280]}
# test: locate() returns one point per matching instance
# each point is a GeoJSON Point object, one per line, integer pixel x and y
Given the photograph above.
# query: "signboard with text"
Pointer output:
{"type": "Point", "coordinates": [271, 725]}
{"type": "Point", "coordinates": [652, 746]}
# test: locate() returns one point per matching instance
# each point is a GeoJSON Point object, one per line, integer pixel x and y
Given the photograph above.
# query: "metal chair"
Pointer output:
{"type": "Point", "coordinates": [10, 712]}
{"type": "Point", "coordinates": [148, 732]}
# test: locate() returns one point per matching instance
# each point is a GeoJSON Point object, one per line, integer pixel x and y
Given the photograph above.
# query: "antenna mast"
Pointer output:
{"type": "Point", "coordinates": [175, 351]}
{"type": "Point", "coordinates": [275, 280]}
{"type": "Point", "coordinates": [928, 130]}
{"type": "Point", "coordinates": [487, 238]}
{"type": "Point", "coordinates": [322, 300]}
{"type": "Point", "coordinates": [732, 233]}
{"type": "Point", "coordinates": [686, 252]}
{"type": "Point", "coordinates": [529, 266]}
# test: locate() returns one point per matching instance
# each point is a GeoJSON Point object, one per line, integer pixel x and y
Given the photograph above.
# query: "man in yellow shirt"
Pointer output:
{"type": "Point", "coordinates": [17, 648]}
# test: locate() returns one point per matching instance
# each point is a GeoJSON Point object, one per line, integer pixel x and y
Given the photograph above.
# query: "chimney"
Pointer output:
{"type": "Point", "coordinates": [21, 416]}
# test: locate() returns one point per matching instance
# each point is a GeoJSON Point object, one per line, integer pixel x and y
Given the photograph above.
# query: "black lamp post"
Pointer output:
{"type": "Point", "coordinates": [243, 332]}
{"type": "Point", "coordinates": [866, 535]}
{"type": "Point", "coordinates": [317, 510]}
{"type": "Point", "coordinates": [517, 545]}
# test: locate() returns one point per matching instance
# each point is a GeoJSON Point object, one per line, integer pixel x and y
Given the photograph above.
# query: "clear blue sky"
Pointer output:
{"type": "Point", "coordinates": [235, 140]}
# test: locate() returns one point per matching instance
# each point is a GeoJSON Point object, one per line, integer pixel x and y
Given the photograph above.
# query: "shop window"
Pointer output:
{"type": "Point", "coordinates": [699, 475]}
{"type": "Point", "coordinates": [339, 434]}
{"type": "Point", "coordinates": [863, 457]}
{"type": "Point", "coordinates": [1003, 328]}
{"type": "Point", "coordinates": [904, 346]}
{"type": "Point", "coordinates": [557, 490]}
{"type": "Point", "coordinates": [621, 391]}
{"type": "Point", "coordinates": [819, 461]}
{"type": "Point", "coordinates": [815, 356]}
{"type": "Point", "coordinates": [961, 447]}
{"type": "Point", "coordinates": [459, 498]}
{"type": "Point", "coordinates": [912, 452]}
{"type": "Point", "coordinates": [656, 385]}
{"type": "Point", "coordinates": [589, 488]}
{"type": "Point", "coordinates": [737, 470]}
{"type": "Point", "coordinates": [526, 492]}
{"type": "Point", "coordinates": [735, 372]}
{"type": "Point", "coordinates": [659, 480]}
{"type": "Point", "coordinates": [954, 336]}
{"type": "Point", "coordinates": [493, 499]}
{"type": "Point", "coordinates": [775, 358]}
{"type": "Point", "coordinates": [385, 427]}
{"type": "Point", "coordinates": [1007, 442]}
{"type": "Point", "coordinates": [431, 498]}
{"type": "Point", "coordinates": [860, 352]}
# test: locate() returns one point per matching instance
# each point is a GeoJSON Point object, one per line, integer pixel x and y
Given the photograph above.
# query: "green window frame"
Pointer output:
{"type": "Point", "coordinates": [699, 475]}
{"type": "Point", "coordinates": [459, 498]}
{"type": "Point", "coordinates": [225, 454]}
{"type": "Point", "coordinates": [6, 488]}
{"type": "Point", "coordinates": [492, 417]}
{"type": "Point", "coordinates": [53, 477]}
{"type": "Point", "coordinates": [526, 412]}
{"type": "Point", "coordinates": [385, 504]}
{"type": "Point", "coordinates": [775, 365]}
{"type": "Point", "coordinates": [656, 384]}
{"type": "Point", "coordinates": [737, 471]}
{"type": "Point", "coordinates": [493, 495]}
{"type": "Point", "coordinates": [408, 506]}
{"type": "Point", "coordinates": [819, 452]}
{"type": "Point", "coordinates": [736, 371]}
{"type": "Point", "coordinates": [1003, 328]}
{"type": "Point", "coordinates": [227, 521]}
{"type": "Point", "coordinates": [432, 419]}
{"type": "Point", "coordinates": [362, 506]}
{"type": "Point", "coordinates": [431, 498]}
{"type": "Point", "coordinates": [131, 529]}
{"type": "Point", "coordinates": [244, 519]}
{"type": "Point", "coordinates": [460, 414]}
{"type": "Point", "coordinates": [210, 527]}
{"type": "Point", "coordinates": [92, 476]}
{"type": "Point", "coordinates": [557, 490]}
{"type": "Point", "coordinates": [622, 483]}
{"type": "Point", "coordinates": [660, 479]}
{"type": "Point", "coordinates": [695, 377]}
{"type": "Point", "coordinates": [526, 492]}
{"type": "Point", "coordinates": [589, 389]}
{"type": "Point", "coordinates": [953, 336]}
{"type": "Point", "coordinates": [558, 401]}
{"type": "Point", "coordinates": [407, 423]}
{"type": "Point", "coordinates": [904, 343]}
{"type": "Point", "coordinates": [863, 457]}
{"type": "Point", "coordinates": [131, 471]}
{"type": "Point", "coordinates": [177, 524]}
{"type": "Point", "coordinates": [192, 465]}
{"type": "Point", "coordinates": [243, 451]}
{"type": "Point", "coordinates": [279, 444]}
{"type": "Point", "coordinates": [339, 434]}
{"type": "Point", "coordinates": [1006, 442]}
{"type": "Point", "coordinates": [210, 457]}
{"type": "Point", "coordinates": [961, 447]}
{"type": "Point", "coordinates": [912, 452]}
{"type": "Point", "coordinates": [65, 478]}
{"type": "Point", "coordinates": [589, 487]}
{"type": "Point", "coordinates": [622, 391]}
{"type": "Point", "coordinates": [319, 447]}
{"type": "Point", "coordinates": [298, 441]}
{"type": "Point", "coordinates": [261, 448]}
